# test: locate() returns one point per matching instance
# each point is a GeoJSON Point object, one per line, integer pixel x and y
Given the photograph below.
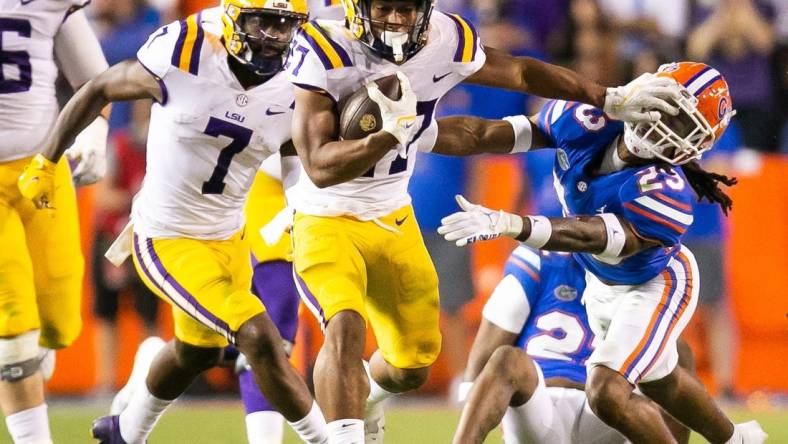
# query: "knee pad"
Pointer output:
{"type": "Point", "coordinates": [20, 356]}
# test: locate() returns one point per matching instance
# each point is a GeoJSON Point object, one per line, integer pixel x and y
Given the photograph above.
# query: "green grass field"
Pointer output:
{"type": "Point", "coordinates": [195, 422]}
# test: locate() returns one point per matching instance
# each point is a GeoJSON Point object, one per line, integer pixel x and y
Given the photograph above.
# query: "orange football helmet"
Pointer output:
{"type": "Point", "coordinates": [705, 110]}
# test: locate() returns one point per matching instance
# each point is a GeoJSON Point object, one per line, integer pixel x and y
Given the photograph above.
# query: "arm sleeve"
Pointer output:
{"type": "Point", "coordinates": [662, 214]}
{"type": "Point", "coordinates": [510, 304]}
{"type": "Point", "coordinates": [77, 50]}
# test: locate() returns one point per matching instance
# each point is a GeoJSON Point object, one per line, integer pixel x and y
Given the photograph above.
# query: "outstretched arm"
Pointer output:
{"type": "Point", "coordinates": [606, 235]}
{"type": "Point", "coordinates": [642, 99]}
{"type": "Point", "coordinates": [127, 80]}
{"type": "Point", "coordinates": [466, 136]}
{"type": "Point", "coordinates": [532, 76]}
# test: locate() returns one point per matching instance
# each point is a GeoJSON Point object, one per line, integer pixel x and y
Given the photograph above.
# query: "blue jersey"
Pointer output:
{"type": "Point", "coordinates": [556, 332]}
{"type": "Point", "coordinates": [656, 203]}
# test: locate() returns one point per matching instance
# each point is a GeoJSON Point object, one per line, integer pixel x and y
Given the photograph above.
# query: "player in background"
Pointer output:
{"type": "Point", "coordinates": [267, 218]}
{"type": "Point", "coordinates": [527, 363]}
{"type": "Point", "coordinates": [358, 253]}
{"type": "Point", "coordinates": [41, 263]}
{"type": "Point", "coordinates": [626, 191]}
{"type": "Point", "coordinates": [223, 106]}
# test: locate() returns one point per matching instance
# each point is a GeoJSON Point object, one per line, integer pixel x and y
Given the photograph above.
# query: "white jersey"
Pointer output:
{"type": "Point", "coordinates": [328, 59]}
{"type": "Point", "coordinates": [28, 106]}
{"type": "Point", "coordinates": [208, 137]}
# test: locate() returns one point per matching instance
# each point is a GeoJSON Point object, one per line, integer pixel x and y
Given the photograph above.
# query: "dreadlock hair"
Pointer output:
{"type": "Point", "coordinates": [706, 183]}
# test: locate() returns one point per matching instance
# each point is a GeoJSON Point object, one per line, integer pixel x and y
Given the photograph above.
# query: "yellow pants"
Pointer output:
{"type": "Point", "coordinates": [208, 284]}
{"type": "Point", "coordinates": [266, 199]}
{"type": "Point", "coordinates": [387, 277]}
{"type": "Point", "coordinates": [41, 263]}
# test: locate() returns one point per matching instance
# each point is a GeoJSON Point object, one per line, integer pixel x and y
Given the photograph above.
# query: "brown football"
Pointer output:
{"type": "Point", "coordinates": [359, 115]}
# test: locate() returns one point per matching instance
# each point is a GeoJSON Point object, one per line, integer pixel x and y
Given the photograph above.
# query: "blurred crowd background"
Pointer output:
{"type": "Point", "coordinates": [740, 326]}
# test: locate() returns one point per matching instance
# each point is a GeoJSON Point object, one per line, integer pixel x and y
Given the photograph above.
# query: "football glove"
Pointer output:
{"type": "Point", "coordinates": [399, 116]}
{"type": "Point", "coordinates": [90, 152]}
{"type": "Point", "coordinates": [37, 182]}
{"type": "Point", "coordinates": [642, 99]}
{"type": "Point", "coordinates": [476, 222]}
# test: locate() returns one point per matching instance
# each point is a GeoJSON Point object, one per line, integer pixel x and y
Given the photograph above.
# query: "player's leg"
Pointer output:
{"type": "Point", "coordinates": [40, 263]}
{"type": "Point", "coordinates": [273, 284]}
{"type": "Point", "coordinates": [403, 309]}
{"type": "Point", "coordinates": [685, 398]}
{"type": "Point", "coordinates": [258, 339]}
{"type": "Point", "coordinates": [507, 382]}
{"type": "Point", "coordinates": [640, 347]}
{"type": "Point", "coordinates": [58, 265]}
{"type": "Point", "coordinates": [331, 279]}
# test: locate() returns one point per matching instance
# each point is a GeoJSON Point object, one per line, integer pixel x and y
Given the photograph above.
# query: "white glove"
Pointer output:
{"type": "Point", "coordinates": [90, 151]}
{"type": "Point", "coordinates": [476, 222]}
{"type": "Point", "coordinates": [642, 99]}
{"type": "Point", "coordinates": [399, 117]}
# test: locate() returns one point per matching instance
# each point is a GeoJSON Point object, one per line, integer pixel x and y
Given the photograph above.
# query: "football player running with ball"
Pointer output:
{"type": "Point", "coordinates": [41, 263]}
{"type": "Point", "coordinates": [222, 106]}
{"type": "Point", "coordinates": [358, 254]}
{"type": "Point", "coordinates": [627, 191]}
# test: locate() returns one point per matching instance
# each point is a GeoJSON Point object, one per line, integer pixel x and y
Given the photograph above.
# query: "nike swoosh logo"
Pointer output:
{"type": "Point", "coordinates": [400, 221]}
{"type": "Point", "coordinates": [408, 125]}
{"type": "Point", "coordinates": [437, 79]}
{"type": "Point", "coordinates": [268, 112]}
{"type": "Point", "coordinates": [27, 2]}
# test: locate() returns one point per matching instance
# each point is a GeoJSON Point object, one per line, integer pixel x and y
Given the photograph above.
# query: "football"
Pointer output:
{"type": "Point", "coordinates": [359, 115]}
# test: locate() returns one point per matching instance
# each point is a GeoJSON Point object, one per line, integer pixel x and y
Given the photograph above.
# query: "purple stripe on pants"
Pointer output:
{"type": "Point", "coordinates": [221, 326]}
{"type": "Point", "coordinates": [310, 300]}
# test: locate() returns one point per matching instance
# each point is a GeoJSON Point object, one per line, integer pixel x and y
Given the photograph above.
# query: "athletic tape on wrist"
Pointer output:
{"type": "Point", "coordinates": [615, 237]}
{"type": "Point", "coordinates": [523, 133]}
{"type": "Point", "coordinates": [541, 230]}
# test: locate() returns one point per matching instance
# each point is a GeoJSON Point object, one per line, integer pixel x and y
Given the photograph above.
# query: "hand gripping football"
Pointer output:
{"type": "Point", "coordinates": [359, 116]}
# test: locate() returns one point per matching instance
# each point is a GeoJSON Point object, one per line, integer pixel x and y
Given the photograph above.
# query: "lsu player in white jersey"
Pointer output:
{"type": "Point", "coordinates": [222, 106]}
{"type": "Point", "coordinates": [41, 264]}
{"type": "Point", "coordinates": [358, 253]}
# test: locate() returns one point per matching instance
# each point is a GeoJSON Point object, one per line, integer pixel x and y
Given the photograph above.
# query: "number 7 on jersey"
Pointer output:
{"type": "Point", "coordinates": [240, 139]}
